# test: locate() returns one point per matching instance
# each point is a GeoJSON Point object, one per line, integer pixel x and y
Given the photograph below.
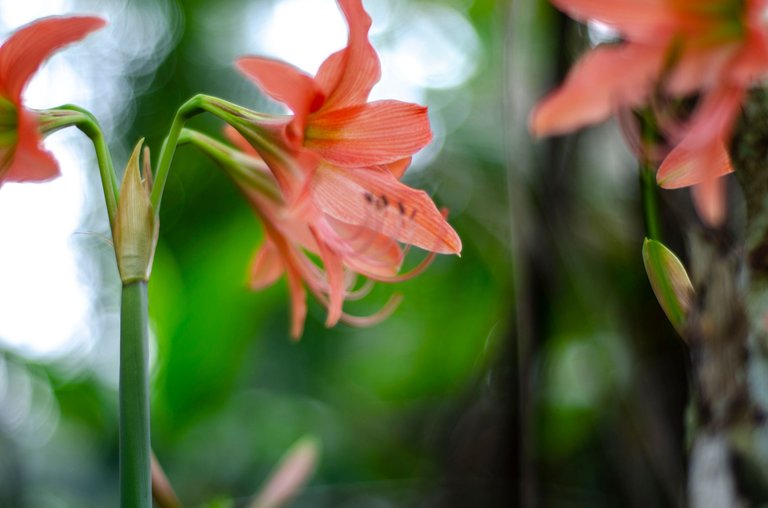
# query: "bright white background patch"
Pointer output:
{"type": "Point", "coordinates": [46, 295]}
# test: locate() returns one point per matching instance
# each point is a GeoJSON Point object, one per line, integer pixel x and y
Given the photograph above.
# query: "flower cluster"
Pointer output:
{"type": "Point", "coordinates": [715, 49]}
{"type": "Point", "coordinates": [336, 164]}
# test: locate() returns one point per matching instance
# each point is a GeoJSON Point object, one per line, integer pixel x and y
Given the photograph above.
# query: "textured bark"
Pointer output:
{"type": "Point", "coordinates": [728, 336]}
{"type": "Point", "coordinates": [717, 335]}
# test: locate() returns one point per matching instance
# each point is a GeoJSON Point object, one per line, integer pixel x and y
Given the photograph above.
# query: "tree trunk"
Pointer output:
{"type": "Point", "coordinates": [728, 337]}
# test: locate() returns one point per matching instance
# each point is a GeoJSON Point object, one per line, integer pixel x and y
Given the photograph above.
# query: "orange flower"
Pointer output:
{"type": "Point", "coordinates": [341, 148]}
{"type": "Point", "coordinates": [22, 157]}
{"type": "Point", "coordinates": [332, 117]}
{"type": "Point", "coordinates": [716, 48]}
{"type": "Point", "coordinates": [336, 163]}
{"type": "Point", "coordinates": [295, 236]}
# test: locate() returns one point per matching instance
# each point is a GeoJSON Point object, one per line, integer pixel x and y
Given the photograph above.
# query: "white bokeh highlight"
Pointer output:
{"type": "Point", "coordinates": [46, 299]}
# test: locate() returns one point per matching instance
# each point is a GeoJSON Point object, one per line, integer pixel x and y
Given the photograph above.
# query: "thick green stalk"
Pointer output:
{"type": "Point", "coordinates": [135, 454]}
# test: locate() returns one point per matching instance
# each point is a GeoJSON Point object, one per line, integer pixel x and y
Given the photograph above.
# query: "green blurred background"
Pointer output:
{"type": "Point", "coordinates": [535, 370]}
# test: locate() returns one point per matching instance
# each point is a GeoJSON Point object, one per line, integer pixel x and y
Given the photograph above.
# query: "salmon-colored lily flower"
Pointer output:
{"type": "Point", "coordinates": [294, 236]}
{"type": "Point", "coordinates": [716, 48]}
{"type": "Point", "coordinates": [341, 148]}
{"type": "Point", "coordinates": [331, 116]}
{"type": "Point", "coordinates": [337, 162]}
{"type": "Point", "coordinates": [22, 157]}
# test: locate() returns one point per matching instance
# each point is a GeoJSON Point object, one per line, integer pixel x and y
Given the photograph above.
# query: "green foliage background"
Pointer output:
{"type": "Point", "coordinates": [452, 401]}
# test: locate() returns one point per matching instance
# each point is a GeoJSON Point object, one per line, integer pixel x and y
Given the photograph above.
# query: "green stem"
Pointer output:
{"type": "Point", "coordinates": [71, 115]}
{"type": "Point", "coordinates": [187, 110]}
{"type": "Point", "coordinates": [224, 110]}
{"type": "Point", "coordinates": [649, 193]}
{"type": "Point", "coordinates": [194, 106]}
{"type": "Point", "coordinates": [648, 185]}
{"type": "Point", "coordinates": [135, 453]}
{"type": "Point", "coordinates": [240, 166]}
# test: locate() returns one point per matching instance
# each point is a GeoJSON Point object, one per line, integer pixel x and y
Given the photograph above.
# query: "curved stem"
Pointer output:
{"type": "Point", "coordinates": [200, 103]}
{"type": "Point", "coordinates": [187, 110]}
{"type": "Point", "coordinates": [135, 453]}
{"type": "Point", "coordinates": [71, 115]}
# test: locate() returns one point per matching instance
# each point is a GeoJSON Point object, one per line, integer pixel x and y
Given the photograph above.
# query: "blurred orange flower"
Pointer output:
{"type": "Point", "coordinates": [22, 157]}
{"type": "Point", "coordinates": [716, 48]}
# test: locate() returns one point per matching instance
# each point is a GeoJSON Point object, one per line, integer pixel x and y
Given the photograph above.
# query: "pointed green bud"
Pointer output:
{"type": "Point", "coordinates": [670, 282]}
{"type": "Point", "coordinates": [136, 225]}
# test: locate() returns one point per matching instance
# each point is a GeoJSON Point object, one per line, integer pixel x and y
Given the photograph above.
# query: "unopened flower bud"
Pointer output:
{"type": "Point", "coordinates": [136, 225]}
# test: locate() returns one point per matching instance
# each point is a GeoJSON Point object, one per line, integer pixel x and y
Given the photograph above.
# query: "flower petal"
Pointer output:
{"type": "Point", "coordinates": [368, 252]}
{"type": "Point", "coordinates": [23, 53]}
{"type": "Point", "coordinates": [635, 19]}
{"type": "Point", "coordinates": [377, 200]}
{"type": "Point", "coordinates": [286, 84]}
{"type": "Point", "coordinates": [298, 301]}
{"type": "Point", "coordinates": [602, 80]}
{"type": "Point", "coordinates": [684, 166]}
{"type": "Point", "coordinates": [709, 199]}
{"type": "Point", "coordinates": [702, 154]}
{"type": "Point", "coordinates": [701, 68]}
{"type": "Point", "coordinates": [288, 256]}
{"type": "Point", "coordinates": [239, 141]}
{"type": "Point", "coordinates": [266, 266]}
{"type": "Point", "coordinates": [371, 134]}
{"type": "Point", "coordinates": [30, 162]}
{"type": "Point", "coordinates": [347, 76]}
{"type": "Point", "coordinates": [290, 167]}
{"type": "Point", "coordinates": [334, 269]}
{"type": "Point", "coordinates": [752, 61]}
{"type": "Point", "coordinates": [398, 168]}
